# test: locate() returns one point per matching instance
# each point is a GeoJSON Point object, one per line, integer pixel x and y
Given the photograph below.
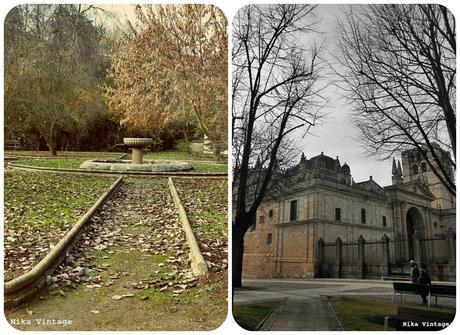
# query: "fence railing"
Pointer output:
{"type": "Point", "coordinates": [379, 257]}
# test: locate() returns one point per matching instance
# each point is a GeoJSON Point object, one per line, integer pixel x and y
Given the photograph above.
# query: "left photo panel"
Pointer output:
{"type": "Point", "coordinates": [115, 167]}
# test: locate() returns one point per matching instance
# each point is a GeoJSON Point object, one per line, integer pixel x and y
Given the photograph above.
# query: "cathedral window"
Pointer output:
{"type": "Point", "coordinates": [423, 166]}
{"type": "Point", "coordinates": [384, 221]}
{"type": "Point", "coordinates": [270, 213]}
{"type": "Point", "coordinates": [269, 238]}
{"type": "Point", "coordinates": [337, 214]}
{"type": "Point", "coordinates": [293, 212]}
{"type": "Point", "coordinates": [415, 168]}
{"type": "Point", "coordinates": [261, 219]}
{"type": "Point", "coordinates": [363, 215]}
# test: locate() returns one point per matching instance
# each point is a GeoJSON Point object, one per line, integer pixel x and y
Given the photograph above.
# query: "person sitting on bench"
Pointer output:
{"type": "Point", "coordinates": [424, 279]}
{"type": "Point", "coordinates": [420, 276]}
{"type": "Point", "coordinates": [414, 272]}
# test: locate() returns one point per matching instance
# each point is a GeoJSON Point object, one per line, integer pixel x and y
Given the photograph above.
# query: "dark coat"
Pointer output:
{"type": "Point", "coordinates": [424, 277]}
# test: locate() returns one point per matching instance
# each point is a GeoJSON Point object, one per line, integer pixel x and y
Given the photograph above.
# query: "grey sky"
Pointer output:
{"type": "Point", "coordinates": [335, 136]}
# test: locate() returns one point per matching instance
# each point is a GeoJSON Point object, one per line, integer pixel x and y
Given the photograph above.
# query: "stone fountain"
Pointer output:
{"type": "Point", "coordinates": [137, 163]}
{"type": "Point", "coordinates": [136, 144]}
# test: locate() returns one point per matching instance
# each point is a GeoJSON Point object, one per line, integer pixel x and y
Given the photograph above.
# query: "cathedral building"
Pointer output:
{"type": "Point", "coordinates": [320, 201]}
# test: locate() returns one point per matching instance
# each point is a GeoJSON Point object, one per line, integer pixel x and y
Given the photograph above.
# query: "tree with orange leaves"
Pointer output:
{"type": "Point", "coordinates": [173, 65]}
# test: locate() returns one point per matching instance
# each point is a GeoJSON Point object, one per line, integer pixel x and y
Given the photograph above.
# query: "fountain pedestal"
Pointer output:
{"type": "Point", "coordinates": [136, 155]}
{"type": "Point", "coordinates": [136, 145]}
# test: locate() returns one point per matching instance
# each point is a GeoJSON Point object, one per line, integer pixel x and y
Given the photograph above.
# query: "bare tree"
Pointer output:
{"type": "Point", "coordinates": [398, 67]}
{"type": "Point", "coordinates": [275, 95]}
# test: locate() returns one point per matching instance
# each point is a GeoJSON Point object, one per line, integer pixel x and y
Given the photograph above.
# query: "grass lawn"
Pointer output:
{"type": "Point", "coordinates": [182, 155]}
{"type": "Point", "coordinates": [250, 316]}
{"type": "Point", "coordinates": [67, 154]}
{"type": "Point", "coordinates": [361, 314]}
{"type": "Point", "coordinates": [54, 163]}
{"type": "Point", "coordinates": [39, 209]}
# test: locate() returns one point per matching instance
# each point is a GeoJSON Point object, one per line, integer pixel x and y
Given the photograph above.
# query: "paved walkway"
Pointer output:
{"type": "Point", "coordinates": [298, 314]}
{"type": "Point", "coordinates": [301, 306]}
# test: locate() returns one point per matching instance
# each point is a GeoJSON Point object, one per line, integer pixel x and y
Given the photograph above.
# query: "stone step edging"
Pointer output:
{"type": "Point", "coordinates": [26, 285]}
{"type": "Point", "coordinates": [197, 262]}
{"type": "Point", "coordinates": [127, 173]}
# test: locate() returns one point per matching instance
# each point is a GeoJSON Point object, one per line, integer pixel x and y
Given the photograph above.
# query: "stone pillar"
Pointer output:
{"type": "Point", "coordinates": [338, 257]}
{"type": "Point", "coordinates": [450, 235]}
{"type": "Point", "coordinates": [137, 156]}
{"type": "Point", "coordinates": [418, 249]}
{"type": "Point", "coordinates": [320, 258]}
{"type": "Point", "coordinates": [361, 256]}
{"type": "Point", "coordinates": [386, 255]}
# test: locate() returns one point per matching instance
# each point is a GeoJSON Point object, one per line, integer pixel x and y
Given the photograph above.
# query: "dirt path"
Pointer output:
{"type": "Point", "coordinates": [130, 272]}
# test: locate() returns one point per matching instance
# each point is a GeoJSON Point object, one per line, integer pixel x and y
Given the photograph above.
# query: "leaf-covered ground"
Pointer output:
{"type": "Point", "coordinates": [205, 201]}
{"type": "Point", "coordinates": [130, 271]}
{"type": "Point", "coordinates": [39, 208]}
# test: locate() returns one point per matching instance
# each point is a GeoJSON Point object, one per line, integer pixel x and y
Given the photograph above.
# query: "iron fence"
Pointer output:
{"type": "Point", "coordinates": [434, 250]}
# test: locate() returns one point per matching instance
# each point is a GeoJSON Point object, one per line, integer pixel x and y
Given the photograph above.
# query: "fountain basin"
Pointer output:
{"type": "Point", "coordinates": [127, 165]}
{"type": "Point", "coordinates": [137, 144]}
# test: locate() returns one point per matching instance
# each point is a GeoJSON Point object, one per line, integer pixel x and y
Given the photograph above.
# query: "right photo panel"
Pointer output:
{"type": "Point", "coordinates": [344, 162]}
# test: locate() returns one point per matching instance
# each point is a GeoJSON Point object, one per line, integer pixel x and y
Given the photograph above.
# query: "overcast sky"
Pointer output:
{"type": "Point", "coordinates": [335, 136]}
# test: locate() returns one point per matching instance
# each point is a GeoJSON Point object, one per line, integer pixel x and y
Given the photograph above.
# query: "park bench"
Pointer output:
{"type": "Point", "coordinates": [420, 319]}
{"type": "Point", "coordinates": [448, 291]}
{"type": "Point", "coordinates": [435, 290]}
{"type": "Point", "coordinates": [13, 144]}
{"type": "Point", "coordinates": [409, 288]}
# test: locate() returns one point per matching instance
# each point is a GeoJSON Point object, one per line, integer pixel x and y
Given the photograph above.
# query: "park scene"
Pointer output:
{"type": "Point", "coordinates": [115, 167]}
{"type": "Point", "coordinates": [344, 162]}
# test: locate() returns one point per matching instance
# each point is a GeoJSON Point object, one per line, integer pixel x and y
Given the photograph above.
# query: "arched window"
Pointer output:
{"type": "Point", "coordinates": [423, 166]}
{"type": "Point", "coordinates": [415, 168]}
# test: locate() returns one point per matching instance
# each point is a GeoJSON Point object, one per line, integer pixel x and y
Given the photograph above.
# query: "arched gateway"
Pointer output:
{"type": "Point", "coordinates": [414, 222]}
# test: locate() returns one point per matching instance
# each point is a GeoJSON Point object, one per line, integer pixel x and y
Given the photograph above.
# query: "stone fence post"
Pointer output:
{"type": "Point", "coordinates": [338, 257]}
{"type": "Point", "coordinates": [450, 235]}
{"type": "Point", "coordinates": [361, 256]}
{"type": "Point", "coordinates": [320, 258]}
{"type": "Point", "coordinates": [386, 255]}
{"type": "Point", "coordinates": [418, 249]}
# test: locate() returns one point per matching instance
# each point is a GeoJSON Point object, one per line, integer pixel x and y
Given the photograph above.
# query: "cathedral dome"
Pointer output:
{"type": "Point", "coordinates": [323, 161]}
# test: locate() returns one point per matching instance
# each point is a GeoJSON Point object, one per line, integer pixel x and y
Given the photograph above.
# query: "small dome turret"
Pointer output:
{"type": "Point", "coordinates": [345, 169]}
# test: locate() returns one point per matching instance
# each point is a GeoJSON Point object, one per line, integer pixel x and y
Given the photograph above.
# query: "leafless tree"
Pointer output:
{"type": "Point", "coordinates": [275, 95]}
{"type": "Point", "coordinates": [397, 63]}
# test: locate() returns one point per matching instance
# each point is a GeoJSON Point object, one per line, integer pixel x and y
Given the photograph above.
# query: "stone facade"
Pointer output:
{"type": "Point", "coordinates": [320, 201]}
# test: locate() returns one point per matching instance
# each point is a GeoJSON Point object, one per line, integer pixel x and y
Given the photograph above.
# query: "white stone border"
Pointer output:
{"type": "Point", "coordinates": [197, 262]}
{"type": "Point", "coordinates": [107, 172]}
{"type": "Point", "coordinates": [19, 289]}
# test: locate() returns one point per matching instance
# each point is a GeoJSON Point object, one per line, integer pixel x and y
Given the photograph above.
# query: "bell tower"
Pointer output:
{"type": "Point", "coordinates": [415, 166]}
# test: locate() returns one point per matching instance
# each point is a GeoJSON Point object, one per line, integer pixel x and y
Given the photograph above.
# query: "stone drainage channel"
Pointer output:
{"type": "Point", "coordinates": [125, 221]}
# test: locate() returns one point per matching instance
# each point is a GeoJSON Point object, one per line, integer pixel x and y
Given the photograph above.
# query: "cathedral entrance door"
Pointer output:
{"type": "Point", "coordinates": [414, 222]}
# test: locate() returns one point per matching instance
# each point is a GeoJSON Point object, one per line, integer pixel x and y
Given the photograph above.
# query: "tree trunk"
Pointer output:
{"type": "Point", "coordinates": [52, 148]}
{"type": "Point", "coordinates": [187, 142]}
{"type": "Point", "coordinates": [239, 230]}
{"type": "Point", "coordinates": [216, 152]}
{"type": "Point", "coordinates": [237, 253]}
